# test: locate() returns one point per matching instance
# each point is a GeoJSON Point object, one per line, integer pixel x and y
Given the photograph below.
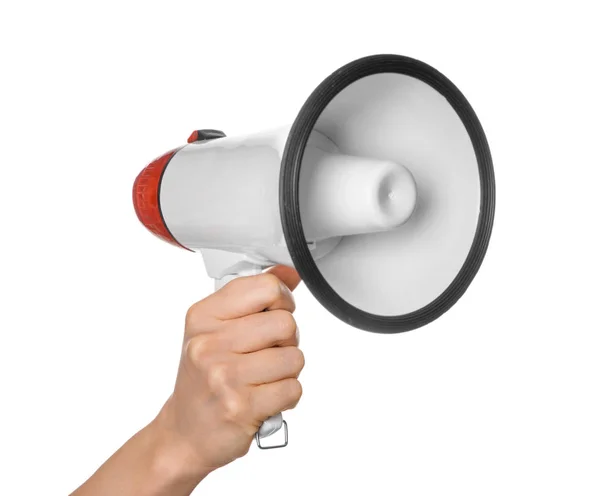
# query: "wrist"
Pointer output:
{"type": "Point", "coordinates": [172, 463]}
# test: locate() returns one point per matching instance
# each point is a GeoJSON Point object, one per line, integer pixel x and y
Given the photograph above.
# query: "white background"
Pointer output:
{"type": "Point", "coordinates": [499, 396]}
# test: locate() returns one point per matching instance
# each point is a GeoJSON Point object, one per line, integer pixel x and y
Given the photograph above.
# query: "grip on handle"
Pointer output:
{"type": "Point", "coordinates": [274, 423]}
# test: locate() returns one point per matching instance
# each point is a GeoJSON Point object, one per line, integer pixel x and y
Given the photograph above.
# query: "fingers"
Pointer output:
{"type": "Point", "coordinates": [245, 296]}
{"type": "Point", "coordinates": [270, 399]}
{"type": "Point", "coordinates": [261, 330]}
{"type": "Point", "coordinates": [250, 333]}
{"type": "Point", "coordinates": [287, 275]}
{"type": "Point", "coordinates": [270, 365]}
{"type": "Point", "coordinates": [239, 365]}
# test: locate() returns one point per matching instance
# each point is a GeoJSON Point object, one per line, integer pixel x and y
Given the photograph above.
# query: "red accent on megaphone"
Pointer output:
{"type": "Point", "coordinates": [193, 137]}
{"type": "Point", "coordinates": [146, 189]}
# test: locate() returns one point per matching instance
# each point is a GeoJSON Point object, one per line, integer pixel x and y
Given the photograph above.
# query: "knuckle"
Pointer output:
{"type": "Point", "coordinates": [190, 316]}
{"type": "Point", "coordinates": [193, 316]}
{"type": "Point", "coordinates": [197, 349]}
{"type": "Point", "coordinates": [218, 376]}
{"type": "Point", "coordinates": [235, 407]}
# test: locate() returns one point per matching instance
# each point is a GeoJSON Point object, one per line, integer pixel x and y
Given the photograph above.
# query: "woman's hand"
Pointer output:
{"type": "Point", "coordinates": [239, 365]}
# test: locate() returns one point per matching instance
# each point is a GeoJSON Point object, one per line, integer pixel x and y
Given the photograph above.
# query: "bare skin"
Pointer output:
{"type": "Point", "coordinates": [239, 366]}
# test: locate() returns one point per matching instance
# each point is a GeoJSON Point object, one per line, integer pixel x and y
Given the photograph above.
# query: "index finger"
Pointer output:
{"type": "Point", "coordinates": [248, 295]}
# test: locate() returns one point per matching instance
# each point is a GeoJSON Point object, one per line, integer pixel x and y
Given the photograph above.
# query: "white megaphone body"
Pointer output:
{"type": "Point", "coordinates": [381, 194]}
{"type": "Point", "coordinates": [221, 197]}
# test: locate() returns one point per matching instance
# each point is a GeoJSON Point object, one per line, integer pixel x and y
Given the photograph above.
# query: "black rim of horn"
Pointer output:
{"type": "Point", "coordinates": [290, 205]}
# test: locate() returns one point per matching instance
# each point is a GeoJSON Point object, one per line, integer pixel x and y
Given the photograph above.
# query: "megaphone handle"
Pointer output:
{"type": "Point", "coordinates": [274, 423]}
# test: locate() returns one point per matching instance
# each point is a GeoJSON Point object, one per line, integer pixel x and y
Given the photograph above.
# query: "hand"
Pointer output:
{"type": "Point", "coordinates": [238, 367]}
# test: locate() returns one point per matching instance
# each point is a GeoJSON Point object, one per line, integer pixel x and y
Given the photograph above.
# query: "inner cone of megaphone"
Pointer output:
{"type": "Point", "coordinates": [345, 195]}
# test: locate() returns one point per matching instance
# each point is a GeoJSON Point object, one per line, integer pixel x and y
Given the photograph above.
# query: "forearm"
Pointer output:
{"type": "Point", "coordinates": [151, 463]}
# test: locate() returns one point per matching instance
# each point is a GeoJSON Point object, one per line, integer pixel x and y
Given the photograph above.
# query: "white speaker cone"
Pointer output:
{"type": "Point", "coordinates": [398, 118]}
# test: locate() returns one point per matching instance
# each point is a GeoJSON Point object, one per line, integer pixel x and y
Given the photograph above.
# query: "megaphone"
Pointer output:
{"type": "Point", "coordinates": [380, 193]}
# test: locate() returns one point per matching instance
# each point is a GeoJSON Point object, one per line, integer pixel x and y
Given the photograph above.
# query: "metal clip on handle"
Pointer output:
{"type": "Point", "coordinates": [285, 438]}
